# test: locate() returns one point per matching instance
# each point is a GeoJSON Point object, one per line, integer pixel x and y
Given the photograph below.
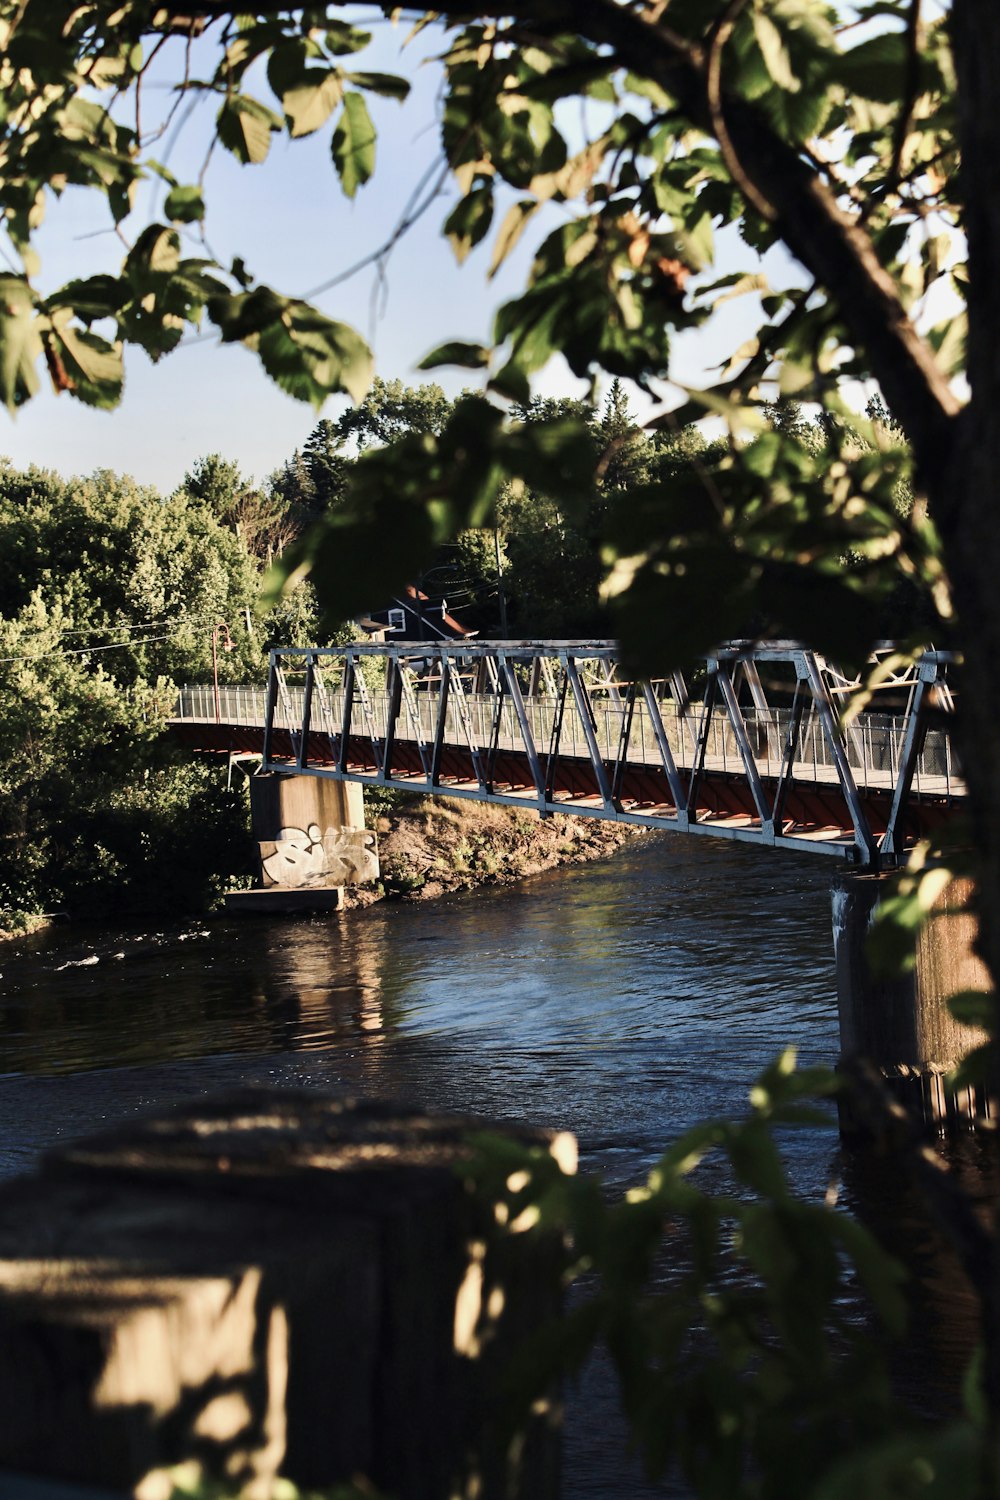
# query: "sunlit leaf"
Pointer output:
{"type": "Point", "coordinates": [310, 103]}
{"type": "Point", "coordinates": [353, 144]}
{"type": "Point", "coordinates": [20, 345]}
{"type": "Point", "coordinates": [245, 127]}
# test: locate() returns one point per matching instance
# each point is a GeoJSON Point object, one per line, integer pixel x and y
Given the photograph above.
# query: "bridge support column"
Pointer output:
{"type": "Point", "coordinates": [311, 834]}
{"type": "Point", "coordinates": [903, 1025]}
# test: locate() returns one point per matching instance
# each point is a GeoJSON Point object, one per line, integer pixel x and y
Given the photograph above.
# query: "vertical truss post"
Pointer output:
{"type": "Point", "coordinates": [496, 723]}
{"type": "Point", "coordinates": [628, 713]}
{"type": "Point", "coordinates": [863, 836]}
{"type": "Point", "coordinates": [585, 710]}
{"type": "Point", "coordinates": [614, 688]}
{"type": "Point", "coordinates": [325, 705]}
{"type": "Point", "coordinates": [761, 705]}
{"type": "Point", "coordinates": [701, 744]}
{"type": "Point", "coordinates": [395, 674]}
{"type": "Point", "coordinates": [787, 773]}
{"type": "Point", "coordinates": [269, 707]}
{"type": "Point", "coordinates": [514, 693]}
{"type": "Point", "coordinates": [442, 721]}
{"type": "Point", "coordinates": [666, 755]}
{"type": "Point", "coordinates": [555, 735]}
{"type": "Point", "coordinates": [348, 710]}
{"type": "Point", "coordinates": [739, 728]}
{"type": "Point", "coordinates": [913, 743]}
{"type": "Point", "coordinates": [682, 700]}
{"type": "Point", "coordinates": [302, 749]}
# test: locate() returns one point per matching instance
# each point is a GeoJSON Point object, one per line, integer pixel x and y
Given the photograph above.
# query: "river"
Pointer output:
{"type": "Point", "coordinates": [622, 1000]}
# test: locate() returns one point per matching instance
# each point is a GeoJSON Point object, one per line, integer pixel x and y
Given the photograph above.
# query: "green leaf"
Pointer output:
{"type": "Point", "coordinates": [875, 68]}
{"type": "Point", "coordinates": [948, 340]}
{"type": "Point", "coordinates": [185, 205]}
{"type": "Point", "coordinates": [511, 229]}
{"type": "Point", "coordinates": [157, 249]}
{"type": "Point", "coordinates": [311, 356]}
{"type": "Point", "coordinates": [890, 946]}
{"type": "Point", "coordinates": [342, 38]}
{"type": "Point", "coordinates": [469, 221]}
{"type": "Point", "coordinates": [92, 364]}
{"type": "Point", "coordinates": [696, 239]}
{"type": "Point", "coordinates": [19, 342]}
{"type": "Point", "coordinates": [386, 84]}
{"type": "Point", "coordinates": [245, 128]}
{"type": "Point", "coordinates": [511, 382]}
{"type": "Point", "coordinates": [353, 144]}
{"type": "Point", "coordinates": [974, 1008]}
{"type": "Point", "coordinates": [774, 52]}
{"type": "Point", "coordinates": [977, 1067]}
{"type": "Point", "coordinates": [466, 356]}
{"type": "Point", "coordinates": [311, 102]}
{"type": "Point", "coordinates": [308, 354]}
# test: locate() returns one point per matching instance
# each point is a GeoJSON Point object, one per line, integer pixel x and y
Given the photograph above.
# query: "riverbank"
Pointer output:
{"type": "Point", "coordinates": [429, 847]}
{"type": "Point", "coordinates": [24, 926]}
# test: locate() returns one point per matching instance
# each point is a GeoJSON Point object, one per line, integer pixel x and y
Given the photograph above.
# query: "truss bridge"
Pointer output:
{"type": "Point", "coordinates": [754, 746]}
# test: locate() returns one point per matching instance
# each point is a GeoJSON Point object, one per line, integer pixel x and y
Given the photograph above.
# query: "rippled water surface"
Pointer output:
{"type": "Point", "coordinates": [622, 1000]}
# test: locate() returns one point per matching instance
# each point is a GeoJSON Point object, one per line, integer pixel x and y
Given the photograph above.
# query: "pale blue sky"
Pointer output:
{"type": "Point", "coordinates": [293, 226]}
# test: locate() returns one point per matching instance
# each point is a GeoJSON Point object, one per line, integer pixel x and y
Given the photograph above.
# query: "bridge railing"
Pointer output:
{"type": "Point", "coordinates": [875, 751]}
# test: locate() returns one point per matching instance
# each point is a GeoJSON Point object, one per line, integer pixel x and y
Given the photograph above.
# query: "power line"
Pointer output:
{"type": "Point", "coordinates": [92, 650]}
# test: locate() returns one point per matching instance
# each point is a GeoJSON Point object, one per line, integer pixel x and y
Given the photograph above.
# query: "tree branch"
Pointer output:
{"type": "Point", "coordinates": [713, 95]}
{"type": "Point", "coordinates": [834, 247]}
{"type": "Point", "coordinates": [910, 97]}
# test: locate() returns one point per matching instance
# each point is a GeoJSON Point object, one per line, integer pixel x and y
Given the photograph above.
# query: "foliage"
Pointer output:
{"type": "Point", "coordinates": [109, 596]}
{"type": "Point", "coordinates": [713, 119]}
{"type": "Point", "coordinates": [743, 1365]}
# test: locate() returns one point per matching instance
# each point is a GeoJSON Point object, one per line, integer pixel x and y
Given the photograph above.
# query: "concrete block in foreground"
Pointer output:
{"type": "Point", "coordinates": [270, 1283]}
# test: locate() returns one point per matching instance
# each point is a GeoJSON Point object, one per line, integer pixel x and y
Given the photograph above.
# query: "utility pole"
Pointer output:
{"type": "Point", "coordinates": [500, 588]}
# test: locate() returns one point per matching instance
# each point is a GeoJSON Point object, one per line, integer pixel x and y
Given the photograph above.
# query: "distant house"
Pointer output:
{"type": "Point", "coordinates": [412, 616]}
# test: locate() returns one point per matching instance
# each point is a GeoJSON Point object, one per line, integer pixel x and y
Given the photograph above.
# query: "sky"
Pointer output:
{"type": "Point", "coordinates": [294, 228]}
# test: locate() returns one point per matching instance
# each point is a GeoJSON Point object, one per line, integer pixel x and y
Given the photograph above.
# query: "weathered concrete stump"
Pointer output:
{"type": "Point", "coordinates": [270, 1283]}
{"type": "Point", "coordinates": [903, 1025]}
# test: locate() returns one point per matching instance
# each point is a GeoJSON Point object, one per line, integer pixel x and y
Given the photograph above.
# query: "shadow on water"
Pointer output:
{"type": "Point", "coordinates": [623, 1000]}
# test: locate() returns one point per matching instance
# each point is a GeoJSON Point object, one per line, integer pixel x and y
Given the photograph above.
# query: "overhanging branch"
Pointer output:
{"type": "Point", "coordinates": [833, 246]}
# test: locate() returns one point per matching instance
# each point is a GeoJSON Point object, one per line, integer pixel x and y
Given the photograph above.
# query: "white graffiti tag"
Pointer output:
{"type": "Point", "coordinates": [303, 857]}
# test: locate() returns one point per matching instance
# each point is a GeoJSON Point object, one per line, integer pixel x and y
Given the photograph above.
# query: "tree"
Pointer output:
{"type": "Point", "coordinates": [109, 596]}
{"type": "Point", "coordinates": [390, 410]}
{"type": "Point", "coordinates": [264, 520]}
{"type": "Point", "coordinates": [870, 154]}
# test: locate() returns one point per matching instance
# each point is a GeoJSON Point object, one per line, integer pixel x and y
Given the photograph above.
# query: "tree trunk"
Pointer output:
{"type": "Point", "coordinates": [967, 508]}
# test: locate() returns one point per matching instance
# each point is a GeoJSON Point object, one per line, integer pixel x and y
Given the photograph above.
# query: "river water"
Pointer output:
{"type": "Point", "coordinates": [622, 1000]}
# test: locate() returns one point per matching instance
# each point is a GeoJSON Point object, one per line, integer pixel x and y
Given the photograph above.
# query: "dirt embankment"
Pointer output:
{"type": "Point", "coordinates": [428, 847]}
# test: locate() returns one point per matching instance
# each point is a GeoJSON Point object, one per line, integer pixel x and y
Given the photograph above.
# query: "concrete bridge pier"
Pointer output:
{"type": "Point", "coordinates": [903, 1025]}
{"type": "Point", "coordinates": [312, 842]}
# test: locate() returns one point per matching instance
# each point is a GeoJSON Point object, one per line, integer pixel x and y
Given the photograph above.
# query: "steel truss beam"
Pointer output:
{"type": "Point", "coordinates": [765, 760]}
